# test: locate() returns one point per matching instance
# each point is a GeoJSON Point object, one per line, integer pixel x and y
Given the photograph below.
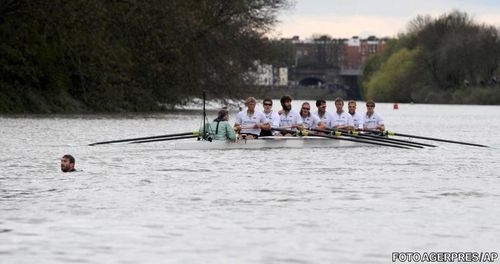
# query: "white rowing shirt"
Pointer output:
{"type": "Point", "coordinates": [287, 120]}
{"type": "Point", "coordinates": [248, 122]}
{"type": "Point", "coordinates": [371, 122]}
{"type": "Point", "coordinates": [326, 118]}
{"type": "Point", "coordinates": [358, 120]}
{"type": "Point", "coordinates": [342, 119]}
{"type": "Point", "coordinates": [272, 118]}
{"type": "Point", "coordinates": [310, 121]}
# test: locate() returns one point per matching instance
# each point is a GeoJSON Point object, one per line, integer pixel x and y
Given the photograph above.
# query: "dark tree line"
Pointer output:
{"type": "Point", "coordinates": [449, 59]}
{"type": "Point", "coordinates": [127, 55]}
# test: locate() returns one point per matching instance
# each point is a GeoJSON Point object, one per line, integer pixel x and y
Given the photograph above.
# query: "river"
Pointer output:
{"type": "Point", "coordinates": [149, 204]}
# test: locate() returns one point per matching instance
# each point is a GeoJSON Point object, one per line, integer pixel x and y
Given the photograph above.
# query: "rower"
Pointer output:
{"type": "Point", "coordinates": [249, 122]}
{"type": "Point", "coordinates": [220, 129]}
{"type": "Point", "coordinates": [309, 120]}
{"type": "Point", "coordinates": [341, 119]}
{"type": "Point", "coordinates": [356, 116]}
{"type": "Point", "coordinates": [272, 117]}
{"type": "Point", "coordinates": [325, 117]}
{"type": "Point", "coordinates": [289, 119]}
{"type": "Point", "coordinates": [373, 121]}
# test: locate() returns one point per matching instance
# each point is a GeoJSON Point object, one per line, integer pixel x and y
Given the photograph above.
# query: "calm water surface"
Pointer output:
{"type": "Point", "coordinates": [148, 204]}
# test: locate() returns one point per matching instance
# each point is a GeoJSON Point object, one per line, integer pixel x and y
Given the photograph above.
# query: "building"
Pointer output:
{"type": "Point", "coordinates": [283, 76]}
{"type": "Point", "coordinates": [262, 75]}
{"type": "Point", "coordinates": [321, 61]}
{"type": "Point", "coordinates": [358, 51]}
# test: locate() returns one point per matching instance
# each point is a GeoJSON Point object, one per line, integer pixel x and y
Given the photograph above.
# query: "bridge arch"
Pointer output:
{"type": "Point", "coordinates": [311, 81]}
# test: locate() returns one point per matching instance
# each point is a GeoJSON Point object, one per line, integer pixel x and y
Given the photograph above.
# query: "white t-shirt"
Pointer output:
{"type": "Point", "coordinates": [358, 120]}
{"type": "Point", "coordinates": [343, 119]}
{"type": "Point", "coordinates": [248, 122]}
{"type": "Point", "coordinates": [371, 122]}
{"type": "Point", "coordinates": [327, 119]}
{"type": "Point", "coordinates": [272, 118]}
{"type": "Point", "coordinates": [310, 121]}
{"type": "Point", "coordinates": [290, 119]}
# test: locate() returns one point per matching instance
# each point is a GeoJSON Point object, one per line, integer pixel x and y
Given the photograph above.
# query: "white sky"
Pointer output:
{"type": "Point", "coordinates": [382, 18]}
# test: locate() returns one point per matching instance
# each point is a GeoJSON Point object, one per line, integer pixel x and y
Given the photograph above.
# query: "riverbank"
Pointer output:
{"type": "Point", "coordinates": [32, 103]}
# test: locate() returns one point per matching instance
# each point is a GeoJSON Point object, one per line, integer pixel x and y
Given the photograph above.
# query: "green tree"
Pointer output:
{"type": "Point", "coordinates": [393, 82]}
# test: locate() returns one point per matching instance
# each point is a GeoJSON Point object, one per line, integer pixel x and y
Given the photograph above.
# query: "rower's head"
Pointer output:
{"type": "Point", "coordinates": [222, 115]}
{"type": "Point", "coordinates": [370, 106]}
{"type": "Point", "coordinates": [339, 104]}
{"type": "Point", "coordinates": [305, 109]}
{"type": "Point", "coordinates": [351, 106]}
{"type": "Point", "coordinates": [67, 163]}
{"type": "Point", "coordinates": [268, 104]}
{"type": "Point", "coordinates": [250, 103]}
{"type": "Point", "coordinates": [321, 105]}
{"type": "Point", "coordinates": [286, 102]}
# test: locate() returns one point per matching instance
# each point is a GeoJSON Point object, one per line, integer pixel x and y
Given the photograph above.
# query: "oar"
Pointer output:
{"type": "Point", "coordinates": [193, 134]}
{"type": "Point", "coordinates": [161, 139]}
{"type": "Point", "coordinates": [383, 138]}
{"type": "Point", "coordinates": [391, 133]}
{"type": "Point", "coordinates": [379, 139]}
{"type": "Point", "coordinates": [305, 133]}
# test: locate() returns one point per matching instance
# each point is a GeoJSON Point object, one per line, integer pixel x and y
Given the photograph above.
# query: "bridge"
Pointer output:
{"type": "Point", "coordinates": [334, 78]}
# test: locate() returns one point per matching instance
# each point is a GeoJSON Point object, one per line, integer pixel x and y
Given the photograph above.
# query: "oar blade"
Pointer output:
{"type": "Point", "coordinates": [436, 139]}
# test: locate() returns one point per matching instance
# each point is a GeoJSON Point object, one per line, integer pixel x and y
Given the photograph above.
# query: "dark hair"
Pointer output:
{"type": "Point", "coordinates": [267, 100]}
{"type": "Point", "coordinates": [285, 98]}
{"type": "Point", "coordinates": [319, 102]}
{"type": "Point", "coordinates": [70, 158]}
{"type": "Point", "coordinates": [220, 115]}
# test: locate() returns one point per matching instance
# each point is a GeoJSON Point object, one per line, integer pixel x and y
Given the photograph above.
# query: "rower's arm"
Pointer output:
{"type": "Point", "coordinates": [265, 126]}
{"type": "Point", "coordinates": [237, 128]}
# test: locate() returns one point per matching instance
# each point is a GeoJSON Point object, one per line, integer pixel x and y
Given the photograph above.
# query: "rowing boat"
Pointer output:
{"type": "Point", "coordinates": [266, 142]}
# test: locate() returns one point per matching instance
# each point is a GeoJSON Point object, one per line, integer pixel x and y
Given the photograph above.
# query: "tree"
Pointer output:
{"type": "Point", "coordinates": [395, 79]}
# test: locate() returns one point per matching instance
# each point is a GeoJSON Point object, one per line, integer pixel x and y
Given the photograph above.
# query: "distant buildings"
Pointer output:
{"type": "Point", "coordinates": [321, 61]}
{"type": "Point", "coordinates": [267, 75]}
{"type": "Point", "coordinates": [358, 51]}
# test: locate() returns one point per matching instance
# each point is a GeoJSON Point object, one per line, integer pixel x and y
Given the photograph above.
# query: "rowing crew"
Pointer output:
{"type": "Point", "coordinates": [250, 124]}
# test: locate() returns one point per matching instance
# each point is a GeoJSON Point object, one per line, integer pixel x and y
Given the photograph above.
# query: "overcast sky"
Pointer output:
{"type": "Point", "coordinates": [382, 18]}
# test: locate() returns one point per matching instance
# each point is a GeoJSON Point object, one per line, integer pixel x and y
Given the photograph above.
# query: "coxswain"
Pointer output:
{"type": "Point", "coordinates": [219, 128]}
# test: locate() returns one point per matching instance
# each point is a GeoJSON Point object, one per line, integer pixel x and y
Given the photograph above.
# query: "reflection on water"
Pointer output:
{"type": "Point", "coordinates": [149, 204]}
